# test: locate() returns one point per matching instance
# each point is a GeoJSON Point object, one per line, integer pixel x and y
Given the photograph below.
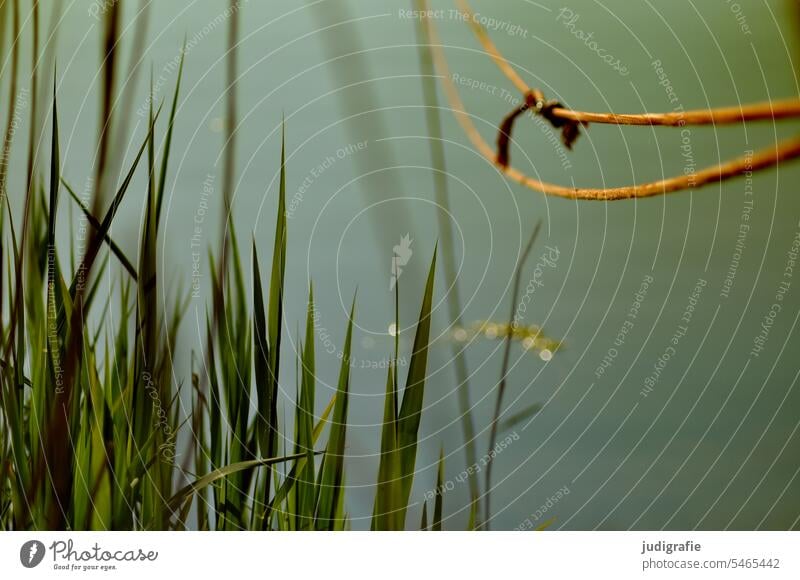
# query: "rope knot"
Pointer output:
{"type": "Point", "coordinates": [535, 101]}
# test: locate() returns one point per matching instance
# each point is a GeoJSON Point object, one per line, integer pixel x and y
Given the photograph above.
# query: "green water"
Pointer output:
{"type": "Point", "coordinates": [709, 439]}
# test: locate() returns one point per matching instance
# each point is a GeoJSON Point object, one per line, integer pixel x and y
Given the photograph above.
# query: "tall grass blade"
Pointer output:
{"type": "Point", "coordinates": [95, 223]}
{"type": "Point", "coordinates": [439, 497]}
{"type": "Point", "coordinates": [108, 218]}
{"type": "Point", "coordinates": [162, 180]}
{"type": "Point", "coordinates": [501, 385]}
{"type": "Point", "coordinates": [267, 335]}
{"type": "Point", "coordinates": [304, 426]}
{"type": "Point", "coordinates": [282, 492]}
{"type": "Point", "coordinates": [331, 478]}
{"type": "Point", "coordinates": [386, 513]}
{"type": "Point", "coordinates": [199, 484]}
{"type": "Point", "coordinates": [413, 394]}
{"type": "Point", "coordinates": [441, 190]}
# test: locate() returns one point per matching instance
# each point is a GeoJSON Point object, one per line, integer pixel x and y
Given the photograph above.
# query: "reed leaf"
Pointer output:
{"type": "Point", "coordinates": [410, 413]}
{"type": "Point", "coordinates": [331, 478]}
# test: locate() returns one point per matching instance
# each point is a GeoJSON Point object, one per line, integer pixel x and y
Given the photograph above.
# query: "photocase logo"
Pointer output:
{"type": "Point", "coordinates": [32, 553]}
{"type": "Point", "coordinates": [402, 254]}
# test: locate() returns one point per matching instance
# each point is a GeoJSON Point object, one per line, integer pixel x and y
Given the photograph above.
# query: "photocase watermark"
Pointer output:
{"type": "Point", "coordinates": [20, 104]}
{"type": "Point", "coordinates": [100, 8]}
{"type": "Point", "coordinates": [318, 170]}
{"type": "Point", "coordinates": [690, 165]}
{"type": "Point", "coordinates": [172, 66]}
{"type": "Point", "coordinates": [488, 22]}
{"type": "Point", "coordinates": [473, 469]}
{"type": "Point", "coordinates": [430, 14]}
{"type": "Point", "coordinates": [542, 510]}
{"type": "Point", "coordinates": [81, 238]}
{"type": "Point", "coordinates": [681, 330]}
{"type": "Point", "coordinates": [31, 553]}
{"type": "Point", "coordinates": [741, 19]}
{"type": "Point", "coordinates": [548, 259]}
{"type": "Point", "coordinates": [744, 228]}
{"type": "Point", "coordinates": [330, 347]}
{"type": "Point", "coordinates": [66, 557]}
{"type": "Point", "coordinates": [196, 240]}
{"type": "Point", "coordinates": [53, 342]}
{"type": "Point", "coordinates": [665, 82]}
{"type": "Point", "coordinates": [167, 448]}
{"type": "Point", "coordinates": [569, 18]}
{"type": "Point", "coordinates": [495, 24]}
{"type": "Point", "coordinates": [402, 253]}
{"type": "Point", "coordinates": [627, 326]}
{"type": "Point", "coordinates": [760, 340]}
{"type": "Point", "coordinates": [781, 292]}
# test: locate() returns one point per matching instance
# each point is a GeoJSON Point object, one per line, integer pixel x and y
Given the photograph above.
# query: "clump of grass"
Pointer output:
{"type": "Point", "coordinates": [401, 423]}
{"type": "Point", "coordinates": [118, 401]}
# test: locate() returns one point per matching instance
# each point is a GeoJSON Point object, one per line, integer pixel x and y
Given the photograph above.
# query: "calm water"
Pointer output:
{"type": "Point", "coordinates": [684, 424]}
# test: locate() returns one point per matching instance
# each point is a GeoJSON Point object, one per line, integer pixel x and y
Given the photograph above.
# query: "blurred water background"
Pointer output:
{"type": "Point", "coordinates": [701, 435]}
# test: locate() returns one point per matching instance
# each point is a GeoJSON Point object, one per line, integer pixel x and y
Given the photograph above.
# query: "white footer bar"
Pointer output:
{"type": "Point", "coordinates": [407, 555]}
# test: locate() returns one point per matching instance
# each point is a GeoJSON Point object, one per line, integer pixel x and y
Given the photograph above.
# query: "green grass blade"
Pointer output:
{"type": "Point", "coordinates": [4, 7]}
{"type": "Point", "coordinates": [546, 524]}
{"type": "Point", "coordinates": [288, 485]}
{"type": "Point", "coordinates": [413, 395]}
{"type": "Point", "coordinates": [53, 339]}
{"type": "Point", "coordinates": [276, 288]}
{"type": "Point", "coordinates": [439, 499]}
{"type": "Point", "coordinates": [95, 223]}
{"type": "Point", "coordinates": [332, 469]}
{"type": "Point", "coordinates": [264, 431]}
{"type": "Point", "coordinates": [162, 180]}
{"type": "Point", "coordinates": [436, 143]}
{"type": "Point", "coordinates": [186, 492]}
{"type": "Point", "coordinates": [304, 425]}
{"type": "Point", "coordinates": [105, 225]}
{"type": "Point", "coordinates": [519, 417]}
{"type": "Point", "coordinates": [55, 173]}
{"type": "Point", "coordinates": [385, 515]}
{"type": "Point", "coordinates": [268, 333]}
{"type": "Point", "coordinates": [149, 392]}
